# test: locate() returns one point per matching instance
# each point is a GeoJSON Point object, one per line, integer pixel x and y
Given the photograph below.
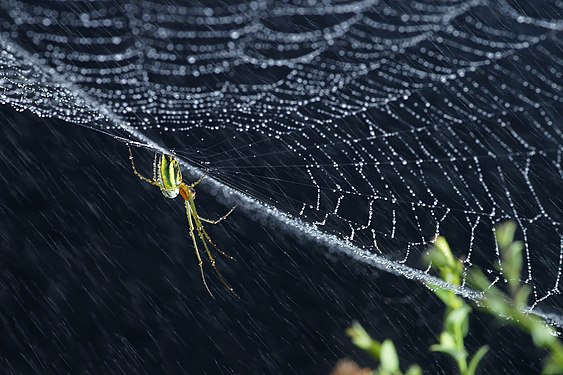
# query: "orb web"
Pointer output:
{"type": "Point", "coordinates": [383, 123]}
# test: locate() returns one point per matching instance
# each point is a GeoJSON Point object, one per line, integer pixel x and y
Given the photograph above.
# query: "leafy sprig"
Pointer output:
{"type": "Point", "coordinates": [510, 307]}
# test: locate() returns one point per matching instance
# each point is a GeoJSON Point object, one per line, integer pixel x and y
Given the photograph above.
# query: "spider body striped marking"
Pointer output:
{"type": "Point", "coordinates": [168, 177]}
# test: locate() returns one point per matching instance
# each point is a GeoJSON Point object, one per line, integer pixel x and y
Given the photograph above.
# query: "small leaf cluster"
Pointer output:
{"type": "Point", "coordinates": [384, 352]}
{"type": "Point", "coordinates": [510, 307]}
{"type": "Point", "coordinates": [456, 316]}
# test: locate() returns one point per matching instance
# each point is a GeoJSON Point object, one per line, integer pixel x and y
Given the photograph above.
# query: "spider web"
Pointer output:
{"type": "Point", "coordinates": [375, 125]}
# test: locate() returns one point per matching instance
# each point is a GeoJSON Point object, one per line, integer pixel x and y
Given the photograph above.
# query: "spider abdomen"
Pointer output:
{"type": "Point", "coordinates": [169, 176]}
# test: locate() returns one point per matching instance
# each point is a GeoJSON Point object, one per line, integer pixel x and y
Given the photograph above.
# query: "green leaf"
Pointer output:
{"type": "Point", "coordinates": [458, 320]}
{"type": "Point", "coordinates": [442, 259]}
{"type": "Point", "coordinates": [447, 340]}
{"type": "Point", "coordinates": [451, 351]}
{"type": "Point", "coordinates": [442, 245]}
{"type": "Point", "coordinates": [414, 370]}
{"type": "Point", "coordinates": [512, 263]}
{"type": "Point", "coordinates": [553, 367]}
{"type": "Point", "coordinates": [444, 295]}
{"type": "Point", "coordinates": [477, 357]}
{"type": "Point", "coordinates": [477, 279]}
{"type": "Point", "coordinates": [362, 340]}
{"type": "Point", "coordinates": [388, 357]}
{"type": "Point", "coordinates": [505, 234]}
{"type": "Point", "coordinates": [522, 296]}
{"type": "Point", "coordinates": [542, 335]}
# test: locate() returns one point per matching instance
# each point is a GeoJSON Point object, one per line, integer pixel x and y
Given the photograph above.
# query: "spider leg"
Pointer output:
{"type": "Point", "coordinates": [197, 182]}
{"type": "Point", "coordinates": [220, 219]}
{"type": "Point", "coordinates": [152, 182]}
{"type": "Point", "coordinates": [199, 260]}
{"type": "Point", "coordinates": [215, 246]}
{"type": "Point", "coordinates": [154, 167]}
{"type": "Point", "coordinates": [214, 222]}
{"type": "Point", "coordinates": [203, 237]}
{"type": "Point", "coordinates": [212, 260]}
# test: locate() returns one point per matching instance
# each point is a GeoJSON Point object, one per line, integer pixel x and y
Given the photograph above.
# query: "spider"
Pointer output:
{"type": "Point", "coordinates": [168, 177]}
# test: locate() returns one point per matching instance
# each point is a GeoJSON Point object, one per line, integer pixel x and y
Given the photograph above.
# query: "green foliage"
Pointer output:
{"type": "Point", "coordinates": [362, 340]}
{"type": "Point", "coordinates": [456, 316]}
{"type": "Point", "coordinates": [509, 307]}
{"type": "Point", "coordinates": [384, 352]}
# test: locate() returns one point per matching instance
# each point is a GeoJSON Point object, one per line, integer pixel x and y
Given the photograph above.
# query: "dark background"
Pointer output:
{"type": "Point", "coordinates": [98, 276]}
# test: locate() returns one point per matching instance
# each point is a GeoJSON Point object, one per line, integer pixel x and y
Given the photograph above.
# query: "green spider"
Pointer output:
{"type": "Point", "coordinates": [168, 177]}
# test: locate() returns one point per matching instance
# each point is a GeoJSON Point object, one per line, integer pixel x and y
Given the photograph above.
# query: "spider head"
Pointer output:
{"type": "Point", "coordinates": [169, 176]}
